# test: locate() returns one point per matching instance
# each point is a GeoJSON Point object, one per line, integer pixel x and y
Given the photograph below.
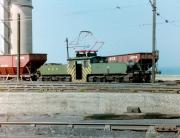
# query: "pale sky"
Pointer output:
{"type": "Point", "coordinates": [126, 29]}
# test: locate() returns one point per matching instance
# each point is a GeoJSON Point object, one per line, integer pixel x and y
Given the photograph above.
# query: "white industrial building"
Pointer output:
{"type": "Point", "coordinates": [9, 12]}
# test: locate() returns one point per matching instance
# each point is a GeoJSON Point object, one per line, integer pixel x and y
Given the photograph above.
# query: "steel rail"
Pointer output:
{"type": "Point", "coordinates": [106, 126]}
{"type": "Point", "coordinates": [103, 126]}
{"type": "Point", "coordinates": [87, 84]}
{"type": "Point", "coordinates": [60, 87]}
{"type": "Point", "coordinates": [171, 91]}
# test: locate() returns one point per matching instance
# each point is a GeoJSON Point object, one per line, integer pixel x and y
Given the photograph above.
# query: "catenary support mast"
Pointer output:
{"type": "Point", "coordinates": [154, 41]}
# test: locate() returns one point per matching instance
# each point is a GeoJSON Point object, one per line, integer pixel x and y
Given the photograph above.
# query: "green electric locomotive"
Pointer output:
{"type": "Point", "coordinates": [86, 66]}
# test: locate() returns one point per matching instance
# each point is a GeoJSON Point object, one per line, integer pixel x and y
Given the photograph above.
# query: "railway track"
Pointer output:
{"type": "Point", "coordinates": [99, 126]}
{"type": "Point", "coordinates": [93, 130]}
{"type": "Point", "coordinates": [87, 87]}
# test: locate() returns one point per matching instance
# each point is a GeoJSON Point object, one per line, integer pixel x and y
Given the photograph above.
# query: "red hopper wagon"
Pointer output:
{"type": "Point", "coordinates": [29, 63]}
{"type": "Point", "coordinates": [143, 59]}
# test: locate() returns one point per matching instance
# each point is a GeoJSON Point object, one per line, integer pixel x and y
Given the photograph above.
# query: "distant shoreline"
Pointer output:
{"type": "Point", "coordinates": [165, 77]}
{"type": "Point", "coordinates": [170, 71]}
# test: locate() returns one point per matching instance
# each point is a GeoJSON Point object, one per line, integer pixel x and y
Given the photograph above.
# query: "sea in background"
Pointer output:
{"type": "Point", "coordinates": [169, 74]}
{"type": "Point", "coordinates": [169, 71]}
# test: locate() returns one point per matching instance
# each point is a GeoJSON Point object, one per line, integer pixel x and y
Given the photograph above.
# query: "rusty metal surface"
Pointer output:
{"type": "Point", "coordinates": [134, 57]}
{"type": "Point", "coordinates": [166, 128]}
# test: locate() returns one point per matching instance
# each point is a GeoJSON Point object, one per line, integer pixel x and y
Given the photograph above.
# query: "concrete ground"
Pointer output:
{"type": "Point", "coordinates": [72, 107]}
{"type": "Point", "coordinates": [85, 103]}
{"type": "Point", "coordinates": [65, 132]}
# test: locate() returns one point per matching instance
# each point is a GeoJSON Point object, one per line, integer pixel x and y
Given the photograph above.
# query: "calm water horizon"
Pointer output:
{"type": "Point", "coordinates": [170, 71]}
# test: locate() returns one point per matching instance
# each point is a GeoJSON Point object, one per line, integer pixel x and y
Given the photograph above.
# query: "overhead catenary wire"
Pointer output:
{"type": "Point", "coordinates": [117, 7]}
{"type": "Point", "coordinates": [173, 22]}
{"type": "Point", "coordinates": [157, 13]}
{"type": "Point", "coordinates": [87, 11]}
{"type": "Point", "coordinates": [166, 21]}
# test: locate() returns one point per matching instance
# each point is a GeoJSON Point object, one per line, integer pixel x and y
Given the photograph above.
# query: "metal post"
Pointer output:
{"type": "Point", "coordinates": [18, 46]}
{"type": "Point", "coordinates": [67, 46]}
{"type": "Point", "coordinates": [154, 42]}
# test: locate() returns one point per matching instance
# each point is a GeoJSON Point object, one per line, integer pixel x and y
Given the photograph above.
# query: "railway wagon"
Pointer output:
{"type": "Point", "coordinates": [88, 67]}
{"type": "Point", "coordinates": [144, 60]}
{"type": "Point", "coordinates": [29, 63]}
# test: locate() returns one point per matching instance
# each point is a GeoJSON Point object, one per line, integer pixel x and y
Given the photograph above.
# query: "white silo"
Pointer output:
{"type": "Point", "coordinates": [1, 27]}
{"type": "Point", "coordinates": [24, 9]}
{"type": "Point", "coordinates": [4, 27]}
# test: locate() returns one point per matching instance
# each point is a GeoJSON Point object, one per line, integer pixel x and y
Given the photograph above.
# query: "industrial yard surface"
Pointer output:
{"type": "Point", "coordinates": [103, 82]}
{"type": "Point", "coordinates": [85, 131]}
{"type": "Point", "coordinates": [51, 109]}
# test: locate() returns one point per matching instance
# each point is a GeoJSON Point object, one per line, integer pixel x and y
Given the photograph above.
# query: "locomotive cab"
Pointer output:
{"type": "Point", "coordinates": [80, 66]}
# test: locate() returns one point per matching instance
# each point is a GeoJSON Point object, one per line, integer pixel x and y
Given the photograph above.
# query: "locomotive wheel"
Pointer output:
{"type": "Point", "coordinates": [90, 79]}
{"type": "Point", "coordinates": [103, 79]}
{"type": "Point", "coordinates": [94, 79]}
{"type": "Point", "coordinates": [118, 79]}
